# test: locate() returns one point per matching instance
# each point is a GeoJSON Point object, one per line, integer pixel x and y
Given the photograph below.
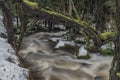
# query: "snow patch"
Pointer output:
{"type": "Point", "coordinates": [3, 40]}
{"type": "Point", "coordinates": [55, 39]}
{"type": "Point", "coordinates": [108, 45]}
{"type": "Point", "coordinates": [62, 43]}
{"type": "Point", "coordinates": [60, 26]}
{"type": "Point", "coordinates": [80, 39]}
{"type": "Point", "coordinates": [2, 29]}
{"type": "Point", "coordinates": [82, 51]}
{"type": "Point", "coordinates": [10, 71]}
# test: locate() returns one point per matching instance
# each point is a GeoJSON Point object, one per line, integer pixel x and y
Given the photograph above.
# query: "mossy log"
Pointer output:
{"type": "Point", "coordinates": [33, 5]}
{"type": "Point", "coordinates": [108, 34]}
{"type": "Point", "coordinates": [82, 24]}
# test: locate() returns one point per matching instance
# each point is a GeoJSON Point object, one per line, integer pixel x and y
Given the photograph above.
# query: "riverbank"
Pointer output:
{"type": "Point", "coordinates": [10, 68]}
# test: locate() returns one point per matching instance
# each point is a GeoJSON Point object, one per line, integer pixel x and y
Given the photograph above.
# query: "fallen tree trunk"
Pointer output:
{"type": "Point", "coordinates": [82, 24]}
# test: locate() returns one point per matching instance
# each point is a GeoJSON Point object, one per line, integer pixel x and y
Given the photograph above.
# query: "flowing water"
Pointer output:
{"type": "Point", "coordinates": [48, 63]}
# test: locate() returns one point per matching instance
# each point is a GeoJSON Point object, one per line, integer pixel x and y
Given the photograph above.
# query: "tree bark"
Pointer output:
{"type": "Point", "coordinates": [116, 62]}
{"type": "Point", "coordinates": [100, 16]}
{"type": "Point", "coordinates": [9, 22]}
{"type": "Point", "coordinates": [22, 26]}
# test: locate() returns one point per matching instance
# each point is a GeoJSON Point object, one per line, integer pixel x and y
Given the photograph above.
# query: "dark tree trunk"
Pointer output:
{"type": "Point", "coordinates": [9, 22]}
{"type": "Point", "coordinates": [22, 26]}
{"type": "Point", "coordinates": [116, 60]}
{"type": "Point", "coordinates": [50, 24]}
{"type": "Point", "coordinates": [100, 16]}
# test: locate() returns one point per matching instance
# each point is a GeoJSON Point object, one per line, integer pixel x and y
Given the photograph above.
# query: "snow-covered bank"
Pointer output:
{"type": "Point", "coordinates": [9, 62]}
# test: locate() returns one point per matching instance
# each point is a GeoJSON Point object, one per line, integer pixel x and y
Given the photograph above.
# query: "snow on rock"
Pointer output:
{"type": "Point", "coordinates": [80, 39]}
{"type": "Point", "coordinates": [108, 45]}
{"type": "Point", "coordinates": [10, 71]}
{"type": "Point", "coordinates": [9, 62]}
{"type": "Point", "coordinates": [2, 29]}
{"type": "Point", "coordinates": [1, 17]}
{"type": "Point", "coordinates": [59, 34]}
{"type": "Point", "coordinates": [3, 40]}
{"type": "Point", "coordinates": [62, 43]}
{"type": "Point", "coordinates": [55, 39]}
{"type": "Point", "coordinates": [82, 51]}
{"type": "Point", "coordinates": [62, 27]}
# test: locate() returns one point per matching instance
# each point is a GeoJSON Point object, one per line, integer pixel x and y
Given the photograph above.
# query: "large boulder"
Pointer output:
{"type": "Point", "coordinates": [9, 62]}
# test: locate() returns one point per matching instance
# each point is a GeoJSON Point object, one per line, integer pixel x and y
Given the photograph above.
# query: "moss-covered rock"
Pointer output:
{"type": "Point", "coordinates": [107, 52]}
{"type": "Point", "coordinates": [84, 57]}
{"type": "Point", "coordinates": [107, 49]}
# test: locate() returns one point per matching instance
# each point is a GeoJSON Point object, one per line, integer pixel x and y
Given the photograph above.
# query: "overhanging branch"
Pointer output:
{"type": "Point", "coordinates": [82, 24]}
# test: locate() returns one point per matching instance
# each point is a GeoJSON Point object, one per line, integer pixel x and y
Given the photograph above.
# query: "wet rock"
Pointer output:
{"type": "Point", "coordinates": [107, 49]}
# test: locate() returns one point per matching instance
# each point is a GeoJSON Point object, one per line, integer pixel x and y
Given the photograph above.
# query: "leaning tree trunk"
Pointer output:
{"type": "Point", "coordinates": [116, 60]}
{"type": "Point", "coordinates": [9, 22]}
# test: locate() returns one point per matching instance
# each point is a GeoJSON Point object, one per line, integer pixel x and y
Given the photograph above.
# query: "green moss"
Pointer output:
{"type": "Point", "coordinates": [107, 52]}
{"type": "Point", "coordinates": [83, 57]}
{"type": "Point", "coordinates": [54, 13]}
{"type": "Point", "coordinates": [31, 4]}
{"type": "Point", "coordinates": [80, 23]}
{"type": "Point", "coordinates": [118, 74]}
{"type": "Point", "coordinates": [108, 34]}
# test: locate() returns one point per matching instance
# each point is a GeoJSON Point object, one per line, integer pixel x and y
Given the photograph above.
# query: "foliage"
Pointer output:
{"type": "Point", "coordinates": [118, 74]}
{"type": "Point", "coordinates": [108, 34]}
{"type": "Point", "coordinates": [84, 57]}
{"type": "Point", "coordinates": [111, 4]}
{"type": "Point", "coordinates": [107, 51]}
{"type": "Point", "coordinates": [80, 14]}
